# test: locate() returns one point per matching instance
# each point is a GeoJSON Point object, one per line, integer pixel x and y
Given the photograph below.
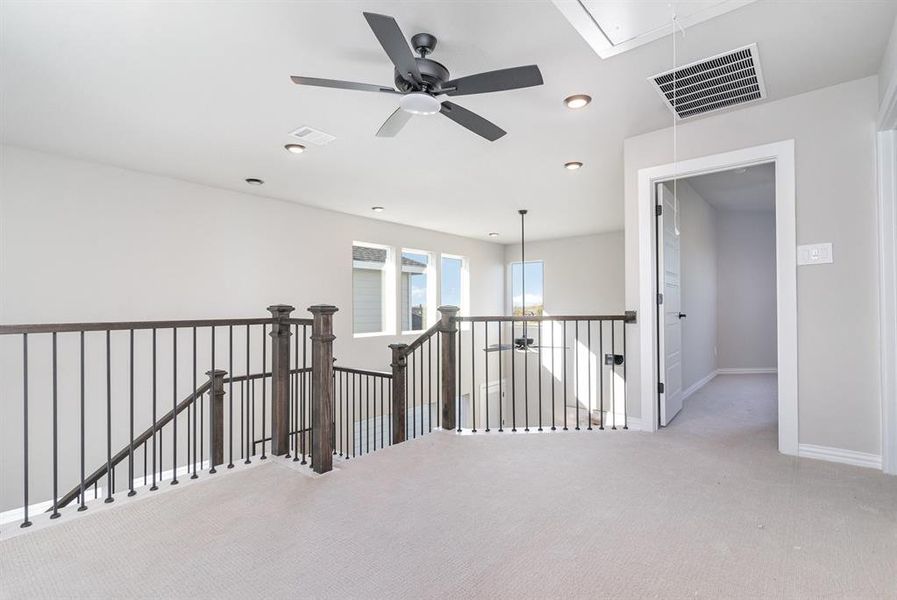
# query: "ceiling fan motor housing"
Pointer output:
{"type": "Point", "coordinates": [434, 74]}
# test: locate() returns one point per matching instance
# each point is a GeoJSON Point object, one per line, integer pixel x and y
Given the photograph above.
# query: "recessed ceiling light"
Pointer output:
{"type": "Point", "coordinates": [377, 208]}
{"type": "Point", "coordinates": [572, 165]}
{"type": "Point", "coordinates": [493, 234]}
{"type": "Point", "coordinates": [577, 101]}
{"type": "Point", "coordinates": [295, 148]}
{"type": "Point", "coordinates": [254, 181]}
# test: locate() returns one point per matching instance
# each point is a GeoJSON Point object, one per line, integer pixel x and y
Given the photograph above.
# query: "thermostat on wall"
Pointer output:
{"type": "Point", "coordinates": [814, 254]}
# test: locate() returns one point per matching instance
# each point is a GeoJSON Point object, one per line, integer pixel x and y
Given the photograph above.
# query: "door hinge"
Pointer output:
{"type": "Point", "coordinates": [658, 210]}
{"type": "Point", "coordinates": [659, 388]}
{"type": "Point", "coordinates": [660, 298]}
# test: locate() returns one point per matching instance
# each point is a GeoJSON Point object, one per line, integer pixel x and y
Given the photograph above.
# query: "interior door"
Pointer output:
{"type": "Point", "coordinates": [669, 324]}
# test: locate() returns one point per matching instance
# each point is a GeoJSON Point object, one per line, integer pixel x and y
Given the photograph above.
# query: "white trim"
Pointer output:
{"type": "Point", "coordinates": [699, 384]}
{"type": "Point", "coordinates": [748, 371]}
{"type": "Point", "coordinates": [839, 455]}
{"type": "Point", "coordinates": [887, 112]}
{"type": "Point", "coordinates": [782, 154]}
{"type": "Point", "coordinates": [886, 147]}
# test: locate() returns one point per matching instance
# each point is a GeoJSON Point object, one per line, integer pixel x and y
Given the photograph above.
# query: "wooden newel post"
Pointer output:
{"type": "Point", "coordinates": [216, 418]}
{"type": "Point", "coordinates": [399, 362]}
{"type": "Point", "coordinates": [322, 387]}
{"type": "Point", "coordinates": [447, 331]}
{"type": "Point", "coordinates": [280, 379]}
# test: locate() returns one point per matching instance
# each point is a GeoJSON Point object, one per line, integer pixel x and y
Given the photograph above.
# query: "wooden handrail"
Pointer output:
{"type": "Point", "coordinates": [127, 325]}
{"type": "Point", "coordinates": [629, 317]}
{"type": "Point", "coordinates": [369, 372]}
{"type": "Point", "coordinates": [417, 343]}
{"type": "Point", "coordinates": [122, 454]}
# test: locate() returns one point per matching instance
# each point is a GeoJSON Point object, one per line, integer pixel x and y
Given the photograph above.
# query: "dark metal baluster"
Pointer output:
{"type": "Point", "coordinates": [553, 377]}
{"type": "Point", "coordinates": [430, 384]}
{"type": "Point", "coordinates": [413, 394]}
{"type": "Point", "coordinates": [601, 373]}
{"type": "Point", "coordinates": [154, 486]}
{"type": "Point", "coordinates": [473, 378]}
{"type": "Point", "coordinates": [539, 368]}
{"type": "Point", "coordinates": [108, 419]}
{"type": "Point", "coordinates": [564, 366]}
{"type": "Point", "coordinates": [347, 413]}
{"type": "Point", "coordinates": [83, 500]}
{"type": "Point", "coordinates": [576, 369]}
{"type": "Point", "coordinates": [525, 366]}
{"type": "Point", "coordinates": [195, 404]}
{"type": "Point", "coordinates": [613, 375]}
{"type": "Point", "coordinates": [131, 490]}
{"type": "Point", "coordinates": [381, 413]}
{"type": "Point", "coordinates": [264, 387]}
{"type": "Point", "coordinates": [25, 522]}
{"type": "Point", "coordinates": [458, 391]}
{"type": "Point", "coordinates": [501, 392]}
{"type": "Point", "coordinates": [486, 370]}
{"type": "Point", "coordinates": [230, 394]}
{"type": "Point", "coordinates": [55, 514]}
{"type": "Point", "coordinates": [513, 382]}
{"type": "Point", "coordinates": [174, 406]}
{"type": "Point", "coordinates": [304, 395]}
{"type": "Point", "coordinates": [367, 421]}
{"type": "Point", "coordinates": [589, 373]}
{"type": "Point", "coordinates": [389, 392]}
{"type": "Point", "coordinates": [202, 412]}
{"type": "Point", "coordinates": [296, 392]}
{"type": "Point", "coordinates": [247, 383]}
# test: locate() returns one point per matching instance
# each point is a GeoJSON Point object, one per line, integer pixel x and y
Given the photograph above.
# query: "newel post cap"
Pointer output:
{"type": "Point", "coordinates": [324, 309]}
{"type": "Point", "coordinates": [448, 308]}
{"type": "Point", "coordinates": [281, 310]}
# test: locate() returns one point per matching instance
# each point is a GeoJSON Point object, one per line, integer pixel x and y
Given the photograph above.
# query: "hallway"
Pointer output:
{"type": "Point", "coordinates": [706, 508]}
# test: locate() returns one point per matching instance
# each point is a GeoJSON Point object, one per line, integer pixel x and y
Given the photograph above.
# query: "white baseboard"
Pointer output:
{"type": "Point", "coordinates": [699, 384]}
{"type": "Point", "coordinates": [750, 371]}
{"type": "Point", "coordinates": [839, 455]}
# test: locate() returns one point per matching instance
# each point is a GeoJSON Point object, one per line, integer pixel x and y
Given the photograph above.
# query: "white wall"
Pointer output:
{"type": "Point", "coordinates": [583, 274]}
{"type": "Point", "coordinates": [747, 289]}
{"type": "Point", "coordinates": [887, 73]}
{"type": "Point", "coordinates": [833, 129]}
{"type": "Point", "coordinates": [698, 265]}
{"type": "Point", "coordinates": [81, 241]}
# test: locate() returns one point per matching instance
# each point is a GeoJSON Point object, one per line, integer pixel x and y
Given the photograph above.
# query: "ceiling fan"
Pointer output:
{"type": "Point", "coordinates": [422, 82]}
{"type": "Point", "coordinates": [523, 344]}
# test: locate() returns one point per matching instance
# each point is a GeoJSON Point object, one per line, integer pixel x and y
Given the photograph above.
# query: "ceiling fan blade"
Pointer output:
{"type": "Point", "coordinates": [393, 41]}
{"type": "Point", "coordinates": [472, 121]}
{"type": "Point", "coordinates": [394, 123]}
{"type": "Point", "coordinates": [342, 85]}
{"type": "Point", "coordinates": [495, 81]}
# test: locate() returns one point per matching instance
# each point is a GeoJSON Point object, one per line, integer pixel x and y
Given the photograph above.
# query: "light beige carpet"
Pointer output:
{"type": "Point", "coordinates": [706, 509]}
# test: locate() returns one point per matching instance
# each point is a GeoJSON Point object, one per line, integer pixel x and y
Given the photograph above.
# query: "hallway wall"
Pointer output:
{"type": "Point", "coordinates": [746, 289]}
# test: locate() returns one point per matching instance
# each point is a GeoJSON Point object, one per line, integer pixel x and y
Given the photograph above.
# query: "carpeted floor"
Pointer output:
{"type": "Point", "coordinates": [706, 508]}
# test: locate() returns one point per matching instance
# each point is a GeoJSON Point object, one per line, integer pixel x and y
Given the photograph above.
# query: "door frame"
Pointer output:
{"type": "Point", "coordinates": [782, 155]}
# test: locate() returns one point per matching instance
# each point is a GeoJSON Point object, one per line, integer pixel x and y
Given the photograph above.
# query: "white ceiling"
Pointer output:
{"type": "Point", "coordinates": [752, 189]}
{"type": "Point", "coordinates": [201, 91]}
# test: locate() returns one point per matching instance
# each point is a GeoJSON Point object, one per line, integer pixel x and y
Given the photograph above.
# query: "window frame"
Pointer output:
{"type": "Point", "coordinates": [510, 297]}
{"type": "Point", "coordinates": [432, 275]}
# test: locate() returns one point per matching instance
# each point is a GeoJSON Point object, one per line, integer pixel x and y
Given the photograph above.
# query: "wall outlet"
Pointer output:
{"type": "Point", "coordinates": [814, 254]}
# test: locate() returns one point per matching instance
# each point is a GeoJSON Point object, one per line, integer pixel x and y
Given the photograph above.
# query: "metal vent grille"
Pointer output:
{"type": "Point", "coordinates": [712, 84]}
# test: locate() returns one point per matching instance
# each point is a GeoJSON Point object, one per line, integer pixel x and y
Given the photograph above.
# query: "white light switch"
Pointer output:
{"type": "Point", "coordinates": [814, 254]}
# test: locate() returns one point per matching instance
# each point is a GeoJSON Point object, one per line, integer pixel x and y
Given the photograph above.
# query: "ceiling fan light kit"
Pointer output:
{"type": "Point", "coordinates": [422, 81]}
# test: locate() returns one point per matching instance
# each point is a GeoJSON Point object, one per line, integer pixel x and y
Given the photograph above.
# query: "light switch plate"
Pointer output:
{"type": "Point", "coordinates": [814, 254]}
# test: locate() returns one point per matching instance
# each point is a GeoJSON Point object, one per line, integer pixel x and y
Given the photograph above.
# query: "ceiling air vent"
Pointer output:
{"type": "Point", "coordinates": [312, 136]}
{"type": "Point", "coordinates": [723, 81]}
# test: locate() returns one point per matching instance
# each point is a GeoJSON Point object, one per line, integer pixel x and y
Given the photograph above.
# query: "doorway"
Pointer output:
{"type": "Point", "coordinates": [642, 285]}
{"type": "Point", "coordinates": [715, 247]}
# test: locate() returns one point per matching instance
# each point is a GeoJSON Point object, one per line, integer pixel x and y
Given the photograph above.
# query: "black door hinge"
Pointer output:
{"type": "Point", "coordinates": [660, 388]}
{"type": "Point", "coordinates": [658, 209]}
{"type": "Point", "coordinates": [660, 298]}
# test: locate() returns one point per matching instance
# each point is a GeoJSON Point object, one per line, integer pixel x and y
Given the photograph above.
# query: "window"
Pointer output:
{"type": "Point", "coordinates": [452, 271]}
{"type": "Point", "coordinates": [531, 303]}
{"type": "Point", "coordinates": [370, 269]}
{"type": "Point", "coordinates": [415, 291]}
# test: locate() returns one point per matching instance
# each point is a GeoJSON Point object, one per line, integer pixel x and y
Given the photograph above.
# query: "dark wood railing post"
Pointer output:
{"type": "Point", "coordinates": [280, 379]}
{"type": "Point", "coordinates": [322, 387]}
{"type": "Point", "coordinates": [447, 333]}
{"type": "Point", "coordinates": [216, 418]}
{"type": "Point", "coordinates": [399, 362]}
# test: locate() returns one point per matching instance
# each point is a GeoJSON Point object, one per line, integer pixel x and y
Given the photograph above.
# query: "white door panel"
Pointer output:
{"type": "Point", "coordinates": [670, 328]}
